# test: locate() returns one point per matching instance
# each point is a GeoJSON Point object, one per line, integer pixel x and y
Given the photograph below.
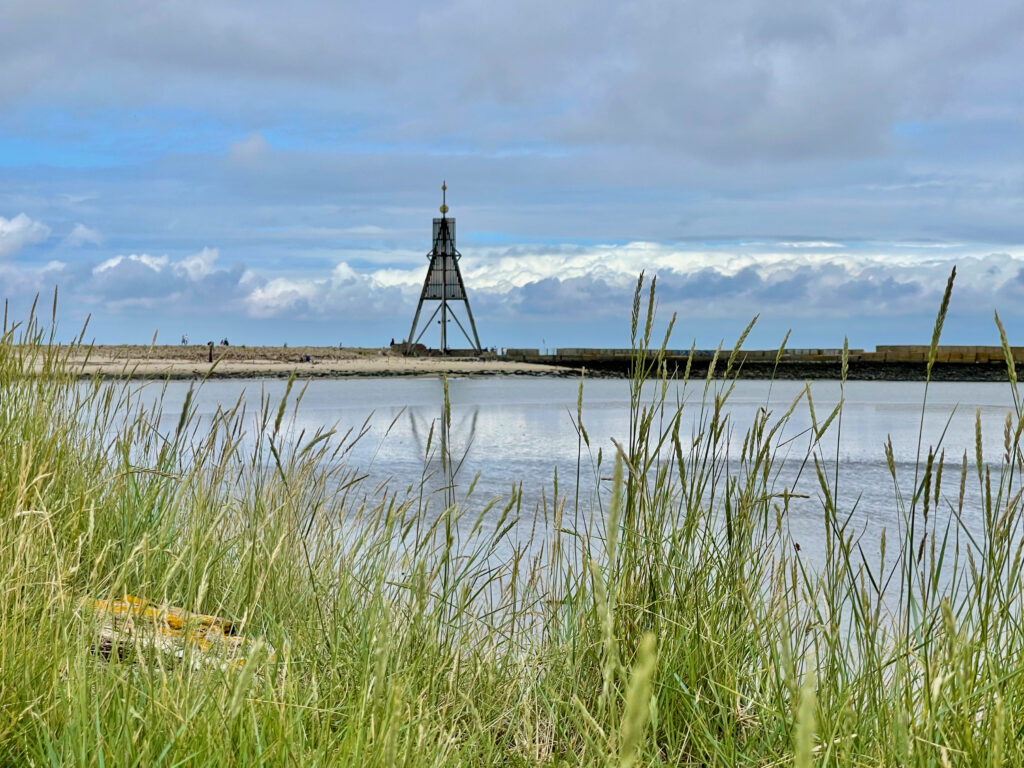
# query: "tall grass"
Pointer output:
{"type": "Point", "coordinates": [674, 623]}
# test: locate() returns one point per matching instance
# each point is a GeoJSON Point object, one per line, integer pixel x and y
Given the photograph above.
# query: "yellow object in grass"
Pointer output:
{"type": "Point", "coordinates": [134, 623]}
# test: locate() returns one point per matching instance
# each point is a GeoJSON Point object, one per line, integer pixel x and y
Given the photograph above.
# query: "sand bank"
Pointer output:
{"type": "Point", "coordinates": [253, 362]}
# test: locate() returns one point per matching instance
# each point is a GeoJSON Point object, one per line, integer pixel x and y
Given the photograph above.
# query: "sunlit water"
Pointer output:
{"type": "Point", "coordinates": [508, 430]}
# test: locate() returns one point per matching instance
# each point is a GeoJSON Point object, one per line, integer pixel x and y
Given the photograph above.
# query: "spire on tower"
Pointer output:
{"type": "Point", "coordinates": [444, 198]}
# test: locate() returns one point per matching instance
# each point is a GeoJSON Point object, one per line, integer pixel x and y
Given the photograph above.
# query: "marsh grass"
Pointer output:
{"type": "Point", "coordinates": [673, 623]}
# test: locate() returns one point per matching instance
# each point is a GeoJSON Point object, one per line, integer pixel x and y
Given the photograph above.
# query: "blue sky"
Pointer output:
{"type": "Point", "coordinates": [268, 172]}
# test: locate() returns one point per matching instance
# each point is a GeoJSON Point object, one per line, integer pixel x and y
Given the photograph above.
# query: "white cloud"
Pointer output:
{"type": "Point", "coordinates": [18, 232]}
{"type": "Point", "coordinates": [155, 263]}
{"type": "Point", "coordinates": [811, 244]}
{"type": "Point", "coordinates": [500, 271]}
{"type": "Point", "coordinates": [83, 235]}
{"type": "Point", "coordinates": [180, 286]}
{"type": "Point", "coordinates": [199, 265]}
{"type": "Point", "coordinates": [514, 287]}
{"type": "Point", "coordinates": [345, 292]}
{"type": "Point", "coordinates": [343, 272]}
{"type": "Point", "coordinates": [574, 282]}
{"type": "Point", "coordinates": [282, 295]}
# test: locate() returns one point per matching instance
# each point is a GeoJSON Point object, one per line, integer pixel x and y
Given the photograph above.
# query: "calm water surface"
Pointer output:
{"type": "Point", "coordinates": [518, 429]}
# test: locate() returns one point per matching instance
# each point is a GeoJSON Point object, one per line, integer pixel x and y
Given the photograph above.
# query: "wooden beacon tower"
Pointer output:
{"type": "Point", "coordinates": [444, 284]}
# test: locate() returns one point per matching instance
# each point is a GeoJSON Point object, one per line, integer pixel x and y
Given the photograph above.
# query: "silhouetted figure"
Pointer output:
{"type": "Point", "coordinates": [209, 348]}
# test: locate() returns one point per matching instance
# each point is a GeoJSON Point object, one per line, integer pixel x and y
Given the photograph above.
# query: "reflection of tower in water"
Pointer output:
{"type": "Point", "coordinates": [433, 438]}
{"type": "Point", "coordinates": [444, 285]}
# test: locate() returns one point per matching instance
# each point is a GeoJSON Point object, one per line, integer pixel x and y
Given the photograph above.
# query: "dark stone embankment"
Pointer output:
{"type": "Point", "coordinates": [858, 370]}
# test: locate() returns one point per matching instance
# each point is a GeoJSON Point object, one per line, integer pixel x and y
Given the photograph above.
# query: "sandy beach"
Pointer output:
{"type": "Point", "coordinates": [184, 362]}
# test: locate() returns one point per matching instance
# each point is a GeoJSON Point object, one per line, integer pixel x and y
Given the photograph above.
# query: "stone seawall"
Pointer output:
{"type": "Point", "coordinates": [873, 366]}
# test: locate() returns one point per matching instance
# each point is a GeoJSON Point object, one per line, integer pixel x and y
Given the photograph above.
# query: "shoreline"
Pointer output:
{"type": "Point", "coordinates": [191, 363]}
{"type": "Point", "coordinates": [183, 363]}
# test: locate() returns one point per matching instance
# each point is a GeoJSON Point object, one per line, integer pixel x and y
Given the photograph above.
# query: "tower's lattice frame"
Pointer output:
{"type": "Point", "coordinates": [444, 284]}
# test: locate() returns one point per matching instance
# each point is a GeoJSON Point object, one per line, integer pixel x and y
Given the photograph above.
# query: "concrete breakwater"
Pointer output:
{"type": "Point", "coordinates": [884, 363]}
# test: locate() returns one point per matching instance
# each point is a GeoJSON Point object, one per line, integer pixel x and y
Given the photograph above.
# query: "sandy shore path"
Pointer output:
{"type": "Point", "coordinates": [253, 362]}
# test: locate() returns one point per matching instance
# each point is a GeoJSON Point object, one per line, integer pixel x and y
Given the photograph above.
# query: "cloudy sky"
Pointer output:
{"type": "Point", "coordinates": [268, 171]}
